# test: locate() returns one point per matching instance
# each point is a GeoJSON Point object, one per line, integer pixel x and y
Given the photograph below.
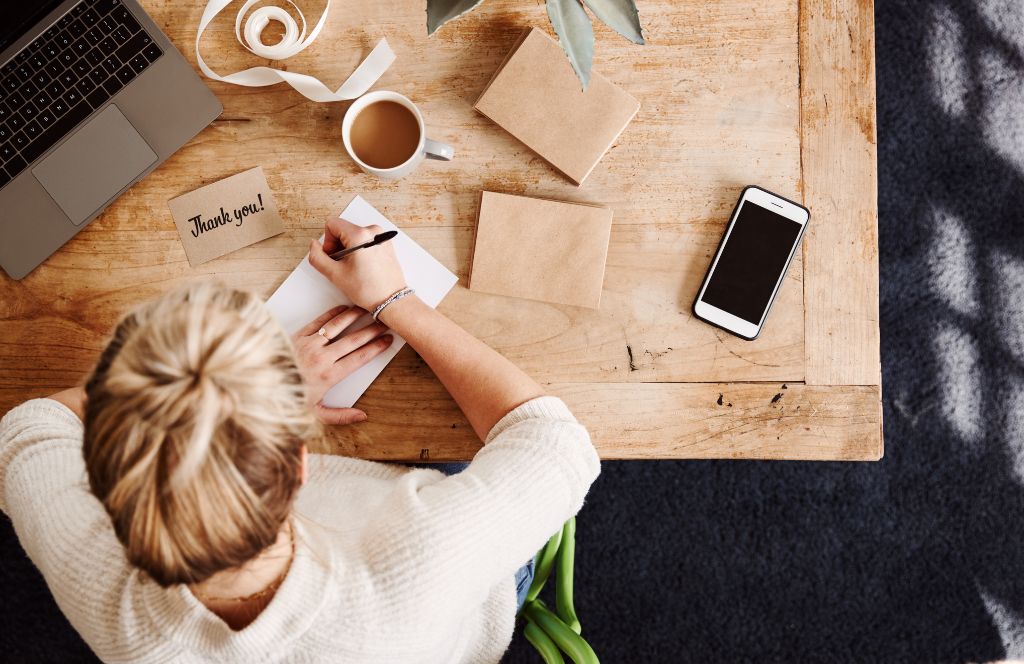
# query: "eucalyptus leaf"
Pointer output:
{"type": "Point", "coordinates": [575, 34]}
{"type": "Point", "coordinates": [440, 12]}
{"type": "Point", "coordinates": [619, 15]}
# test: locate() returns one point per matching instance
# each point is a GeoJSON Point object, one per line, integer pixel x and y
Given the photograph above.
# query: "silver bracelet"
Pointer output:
{"type": "Point", "coordinates": [395, 297]}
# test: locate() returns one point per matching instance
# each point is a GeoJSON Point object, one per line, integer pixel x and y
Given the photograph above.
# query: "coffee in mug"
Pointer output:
{"type": "Point", "coordinates": [384, 134]}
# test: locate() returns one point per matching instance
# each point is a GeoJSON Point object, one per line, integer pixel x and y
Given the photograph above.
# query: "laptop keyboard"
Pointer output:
{"type": "Point", "coordinates": [64, 75]}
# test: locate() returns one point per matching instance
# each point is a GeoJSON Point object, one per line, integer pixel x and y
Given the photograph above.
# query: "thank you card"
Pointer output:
{"type": "Point", "coordinates": [229, 214]}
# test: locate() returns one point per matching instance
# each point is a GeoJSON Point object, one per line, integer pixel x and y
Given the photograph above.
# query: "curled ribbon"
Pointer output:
{"type": "Point", "coordinates": [294, 41]}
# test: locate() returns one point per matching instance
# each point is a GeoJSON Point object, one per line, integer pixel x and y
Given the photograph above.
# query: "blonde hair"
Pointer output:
{"type": "Point", "coordinates": [194, 426]}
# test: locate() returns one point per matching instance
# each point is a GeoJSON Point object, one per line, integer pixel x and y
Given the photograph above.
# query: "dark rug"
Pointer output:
{"type": "Point", "coordinates": [916, 558]}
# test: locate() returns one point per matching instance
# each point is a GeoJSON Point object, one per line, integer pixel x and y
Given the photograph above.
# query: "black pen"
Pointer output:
{"type": "Point", "coordinates": [380, 238]}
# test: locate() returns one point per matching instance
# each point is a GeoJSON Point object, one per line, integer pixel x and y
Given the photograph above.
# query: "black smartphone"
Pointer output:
{"type": "Point", "coordinates": [753, 256]}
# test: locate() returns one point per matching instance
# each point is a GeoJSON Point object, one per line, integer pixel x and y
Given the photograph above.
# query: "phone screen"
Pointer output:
{"type": "Point", "coordinates": [754, 258]}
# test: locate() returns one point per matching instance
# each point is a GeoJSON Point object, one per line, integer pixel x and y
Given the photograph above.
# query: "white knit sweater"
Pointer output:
{"type": "Point", "coordinates": [391, 564]}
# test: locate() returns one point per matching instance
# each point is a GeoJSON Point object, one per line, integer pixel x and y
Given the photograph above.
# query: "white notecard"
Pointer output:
{"type": "Point", "coordinates": [306, 294]}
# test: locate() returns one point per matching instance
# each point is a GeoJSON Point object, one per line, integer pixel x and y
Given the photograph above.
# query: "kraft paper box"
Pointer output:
{"type": "Point", "coordinates": [227, 215]}
{"type": "Point", "coordinates": [536, 97]}
{"type": "Point", "coordinates": [540, 249]}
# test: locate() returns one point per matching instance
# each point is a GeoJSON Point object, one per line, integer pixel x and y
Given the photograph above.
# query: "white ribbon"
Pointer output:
{"type": "Point", "coordinates": [294, 41]}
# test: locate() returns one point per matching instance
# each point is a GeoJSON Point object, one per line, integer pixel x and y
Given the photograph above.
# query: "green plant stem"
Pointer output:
{"type": "Point", "coordinates": [571, 643]}
{"type": "Point", "coordinates": [564, 581]}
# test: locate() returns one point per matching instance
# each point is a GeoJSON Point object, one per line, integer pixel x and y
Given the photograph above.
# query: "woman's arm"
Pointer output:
{"type": "Point", "coordinates": [484, 384]}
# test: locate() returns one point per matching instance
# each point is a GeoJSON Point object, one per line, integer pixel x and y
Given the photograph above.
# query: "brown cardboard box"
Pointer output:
{"type": "Point", "coordinates": [540, 249]}
{"type": "Point", "coordinates": [536, 97]}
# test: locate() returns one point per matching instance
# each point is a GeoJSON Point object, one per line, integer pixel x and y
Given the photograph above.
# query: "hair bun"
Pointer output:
{"type": "Point", "coordinates": [194, 424]}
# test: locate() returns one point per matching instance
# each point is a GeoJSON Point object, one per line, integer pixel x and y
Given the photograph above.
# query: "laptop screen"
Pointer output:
{"type": "Point", "coordinates": [19, 17]}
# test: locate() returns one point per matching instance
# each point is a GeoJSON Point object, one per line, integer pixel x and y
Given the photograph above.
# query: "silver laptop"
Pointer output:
{"type": "Point", "coordinates": [93, 96]}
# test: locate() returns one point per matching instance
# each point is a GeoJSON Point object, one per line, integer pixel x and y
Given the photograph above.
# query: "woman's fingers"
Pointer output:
{"type": "Point", "coordinates": [320, 321]}
{"type": "Point", "coordinates": [339, 323]}
{"type": "Point", "coordinates": [340, 234]}
{"type": "Point", "coordinates": [361, 356]}
{"type": "Point", "coordinates": [339, 415]}
{"type": "Point", "coordinates": [353, 340]}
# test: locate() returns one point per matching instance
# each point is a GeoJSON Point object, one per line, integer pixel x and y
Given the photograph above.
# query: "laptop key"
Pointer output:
{"type": "Point", "coordinates": [111, 64]}
{"type": "Point", "coordinates": [19, 140]}
{"type": "Point", "coordinates": [98, 75]}
{"type": "Point", "coordinates": [55, 68]}
{"type": "Point", "coordinates": [50, 51]}
{"type": "Point", "coordinates": [133, 46]}
{"type": "Point", "coordinates": [28, 89]}
{"type": "Point", "coordinates": [42, 100]}
{"type": "Point", "coordinates": [5, 112]}
{"type": "Point", "coordinates": [55, 89]}
{"type": "Point", "coordinates": [63, 40]}
{"type": "Point", "coordinates": [15, 100]}
{"type": "Point", "coordinates": [77, 28]}
{"type": "Point", "coordinates": [33, 129]}
{"type": "Point", "coordinates": [38, 61]}
{"type": "Point", "coordinates": [10, 84]}
{"type": "Point", "coordinates": [46, 118]}
{"type": "Point", "coordinates": [28, 111]}
{"type": "Point", "coordinates": [127, 20]}
{"type": "Point", "coordinates": [90, 17]}
{"type": "Point", "coordinates": [107, 25]}
{"type": "Point", "coordinates": [81, 47]}
{"type": "Point", "coordinates": [24, 72]}
{"type": "Point", "coordinates": [57, 131]}
{"type": "Point", "coordinates": [66, 58]}
{"type": "Point", "coordinates": [104, 6]}
{"type": "Point", "coordinates": [7, 151]}
{"type": "Point", "coordinates": [4, 178]}
{"type": "Point", "coordinates": [125, 75]}
{"type": "Point", "coordinates": [68, 78]}
{"type": "Point", "coordinates": [138, 63]}
{"type": "Point", "coordinates": [97, 97]}
{"type": "Point", "coordinates": [107, 46]}
{"type": "Point", "coordinates": [16, 122]}
{"type": "Point", "coordinates": [121, 35]}
{"type": "Point", "coordinates": [94, 36]}
{"type": "Point", "coordinates": [152, 52]}
{"type": "Point", "coordinates": [41, 79]}
{"type": "Point", "coordinates": [85, 86]}
{"type": "Point", "coordinates": [81, 67]}
{"type": "Point", "coordinates": [94, 57]}
{"type": "Point", "coordinates": [72, 97]}
{"type": "Point", "coordinates": [112, 85]}
{"type": "Point", "coordinates": [59, 107]}
{"type": "Point", "coordinates": [5, 133]}
{"type": "Point", "coordinates": [15, 165]}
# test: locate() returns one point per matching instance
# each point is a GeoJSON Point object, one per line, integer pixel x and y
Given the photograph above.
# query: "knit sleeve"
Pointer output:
{"type": "Point", "coordinates": [445, 543]}
{"type": "Point", "coordinates": [59, 522]}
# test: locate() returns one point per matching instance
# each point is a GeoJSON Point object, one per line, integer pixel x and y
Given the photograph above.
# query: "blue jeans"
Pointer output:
{"type": "Point", "coordinates": [524, 575]}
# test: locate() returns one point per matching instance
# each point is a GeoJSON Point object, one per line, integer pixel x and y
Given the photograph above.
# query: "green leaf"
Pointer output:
{"type": "Point", "coordinates": [619, 15]}
{"type": "Point", "coordinates": [440, 12]}
{"type": "Point", "coordinates": [575, 34]}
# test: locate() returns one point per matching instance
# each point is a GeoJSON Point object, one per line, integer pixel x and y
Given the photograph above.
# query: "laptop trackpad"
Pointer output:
{"type": "Point", "coordinates": [95, 164]}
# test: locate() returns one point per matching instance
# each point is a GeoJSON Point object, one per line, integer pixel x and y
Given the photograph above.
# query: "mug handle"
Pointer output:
{"type": "Point", "coordinates": [438, 150]}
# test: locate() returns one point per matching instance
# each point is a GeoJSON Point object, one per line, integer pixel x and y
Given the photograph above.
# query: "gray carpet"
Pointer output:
{"type": "Point", "coordinates": [913, 559]}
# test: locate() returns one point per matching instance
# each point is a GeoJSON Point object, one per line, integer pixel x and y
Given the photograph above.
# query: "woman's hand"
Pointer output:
{"type": "Point", "coordinates": [325, 356]}
{"type": "Point", "coordinates": [368, 276]}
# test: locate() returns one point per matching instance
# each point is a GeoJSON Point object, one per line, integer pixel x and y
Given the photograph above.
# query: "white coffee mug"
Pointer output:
{"type": "Point", "coordinates": [425, 149]}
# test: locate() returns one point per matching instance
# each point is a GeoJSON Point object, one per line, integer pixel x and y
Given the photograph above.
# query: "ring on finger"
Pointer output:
{"type": "Point", "coordinates": [323, 333]}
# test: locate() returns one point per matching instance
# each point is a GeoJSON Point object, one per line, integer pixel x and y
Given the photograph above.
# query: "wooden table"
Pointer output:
{"type": "Point", "coordinates": [732, 92]}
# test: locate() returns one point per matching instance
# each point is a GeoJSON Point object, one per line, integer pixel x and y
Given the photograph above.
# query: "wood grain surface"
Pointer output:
{"type": "Point", "coordinates": [837, 55]}
{"type": "Point", "coordinates": [719, 87]}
